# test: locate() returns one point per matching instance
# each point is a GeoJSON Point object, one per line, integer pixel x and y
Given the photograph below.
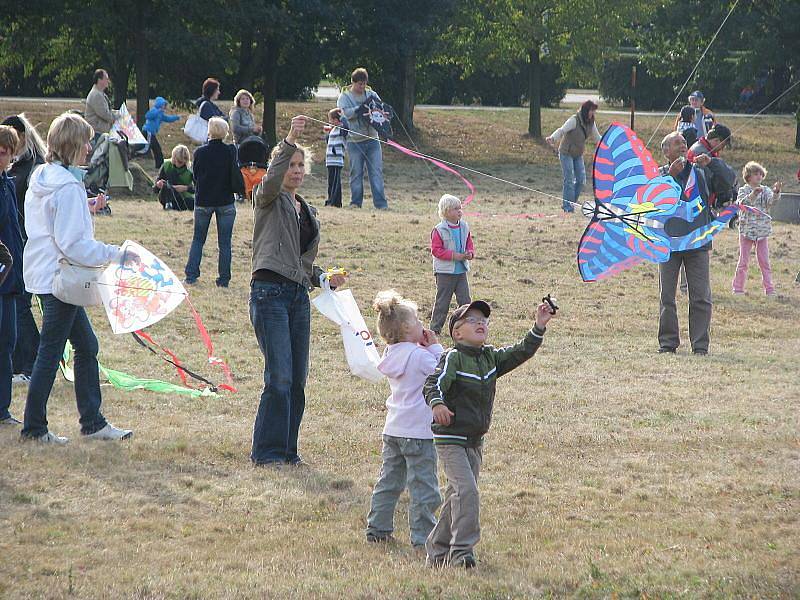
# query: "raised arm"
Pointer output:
{"type": "Point", "coordinates": [267, 191]}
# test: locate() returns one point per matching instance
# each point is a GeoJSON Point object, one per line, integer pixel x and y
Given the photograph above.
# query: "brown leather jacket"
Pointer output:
{"type": "Point", "coordinates": [276, 232]}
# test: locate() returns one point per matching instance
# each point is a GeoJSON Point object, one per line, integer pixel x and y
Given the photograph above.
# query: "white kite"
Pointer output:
{"type": "Point", "coordinates": [137, 295]}
{"type": "Point", "coordinates": [127, 125]}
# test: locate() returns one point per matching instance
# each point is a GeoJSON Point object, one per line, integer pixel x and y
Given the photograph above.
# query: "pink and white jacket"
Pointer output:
{"type": "Point", "coordinates": [407, 365]}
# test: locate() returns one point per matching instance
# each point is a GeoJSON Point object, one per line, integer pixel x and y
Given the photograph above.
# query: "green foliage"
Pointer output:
{"type": "Point", "coordinates": [615, 85]}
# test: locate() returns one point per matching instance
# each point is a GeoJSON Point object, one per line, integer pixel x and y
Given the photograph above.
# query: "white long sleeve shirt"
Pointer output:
{"type": "Point", "coordinates": [58, 224]}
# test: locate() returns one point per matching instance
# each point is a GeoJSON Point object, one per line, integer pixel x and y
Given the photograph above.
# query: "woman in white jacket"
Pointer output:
{"type": "Point", "coordinates": [58, 224]}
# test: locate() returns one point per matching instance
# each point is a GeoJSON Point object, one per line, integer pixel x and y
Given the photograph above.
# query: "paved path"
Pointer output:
{"type": "Point", "coordinates": [330, 93]}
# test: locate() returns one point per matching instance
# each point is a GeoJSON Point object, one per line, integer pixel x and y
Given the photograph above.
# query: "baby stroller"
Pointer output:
{"type": "Point", "coordinates": [252, 158]}
{"type": "Point", "coordinates": [108, 165]}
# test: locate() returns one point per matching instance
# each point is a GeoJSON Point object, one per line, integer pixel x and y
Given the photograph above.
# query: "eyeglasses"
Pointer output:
{"type": "Point", "coordinates": [476, 320]}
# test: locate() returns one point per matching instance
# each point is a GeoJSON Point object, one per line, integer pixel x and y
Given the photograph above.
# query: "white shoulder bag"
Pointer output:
{"type": "Point", "coordinates": [76, 284]}
{"type": "Point", "coordinates": [197, 127]}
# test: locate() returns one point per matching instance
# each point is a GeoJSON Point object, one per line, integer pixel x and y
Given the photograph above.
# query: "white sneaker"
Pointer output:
{"type": "Point", "coordinates": [9, 420]}
{"type": "Point", "coordinates": [20, 379]}
{"type": "Point", "coordinates": [50, 438]}
{"type": "Point", "coordinates": [109, 432]}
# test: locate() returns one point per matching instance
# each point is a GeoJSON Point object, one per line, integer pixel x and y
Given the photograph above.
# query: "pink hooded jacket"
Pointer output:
{"type": "Point", "coordinates": [406, 365]}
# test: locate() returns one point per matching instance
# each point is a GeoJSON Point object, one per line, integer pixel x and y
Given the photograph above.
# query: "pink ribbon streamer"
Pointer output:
{"type": "Point", "coordinates": [439, 164]}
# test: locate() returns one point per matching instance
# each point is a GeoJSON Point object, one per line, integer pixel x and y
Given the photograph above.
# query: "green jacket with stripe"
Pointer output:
{"type": "Point", "coordinates": [464, 381]}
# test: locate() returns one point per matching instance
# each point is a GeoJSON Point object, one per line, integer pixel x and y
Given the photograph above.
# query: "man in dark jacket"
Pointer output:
{"type": "Point", "coordinates": [695, 262]}
{"type": "Point", "coordinates": [217, 178]}
{"type": "Point", "coordinates": [12, 284]}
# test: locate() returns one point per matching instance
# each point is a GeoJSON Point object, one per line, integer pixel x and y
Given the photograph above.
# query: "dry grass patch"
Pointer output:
{"type": "Point", "coordinates": [610, 471]}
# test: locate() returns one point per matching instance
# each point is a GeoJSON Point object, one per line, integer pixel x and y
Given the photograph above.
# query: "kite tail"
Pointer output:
{"type": "Point", "coordinates": [212, 360]}
{"type": "Point", "coordinates": [439, 164]}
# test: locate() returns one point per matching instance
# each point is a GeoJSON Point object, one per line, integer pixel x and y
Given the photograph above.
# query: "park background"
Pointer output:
{"type": "Point", "coordinates": [610, 471]}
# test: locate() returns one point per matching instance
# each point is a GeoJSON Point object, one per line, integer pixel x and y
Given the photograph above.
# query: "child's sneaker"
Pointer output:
{"type": "Point", "coordinates": [375, 538]}
{"type": "Point", "coordinates": [465, 562]}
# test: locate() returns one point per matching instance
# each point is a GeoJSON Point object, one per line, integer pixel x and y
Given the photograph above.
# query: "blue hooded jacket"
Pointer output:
{"type": "Point", "coordinates": [156, 115]}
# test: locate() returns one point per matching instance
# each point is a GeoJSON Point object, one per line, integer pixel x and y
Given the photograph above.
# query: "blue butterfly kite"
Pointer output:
{"type": "Point", "coordinates": [637, 214]}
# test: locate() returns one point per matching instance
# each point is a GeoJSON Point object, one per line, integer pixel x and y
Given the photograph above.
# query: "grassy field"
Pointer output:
{"type": "Point", "coordinates": [610, 470]}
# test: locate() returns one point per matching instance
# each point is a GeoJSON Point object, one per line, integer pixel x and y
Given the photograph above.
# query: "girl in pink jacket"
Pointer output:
{"type": "Point", "coordinates": [409, 458]}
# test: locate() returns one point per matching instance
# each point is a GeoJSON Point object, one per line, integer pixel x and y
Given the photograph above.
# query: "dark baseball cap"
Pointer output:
{"type": "Point", "coordinates": [697, 94]}
{"type": "Point", "coordinates": [461, 311]}
{"type": "Point", "coordinates": [719, 132]}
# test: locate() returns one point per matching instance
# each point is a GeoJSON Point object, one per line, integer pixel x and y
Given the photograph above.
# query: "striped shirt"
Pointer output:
{"type": "Point", "coordinates": [335, 150]}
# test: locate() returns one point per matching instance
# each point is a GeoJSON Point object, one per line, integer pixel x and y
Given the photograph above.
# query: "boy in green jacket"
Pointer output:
{"type": "Point", "coordinates": [461, 393]}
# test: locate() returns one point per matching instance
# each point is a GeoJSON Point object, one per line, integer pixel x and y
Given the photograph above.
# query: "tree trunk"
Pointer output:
{"type": "Point", "coordinates": [270, 90]}
{"type": "Point", "coordinates": [246, 62]}
{"type": "Point", "coordinates": [797, 132]}
{"type": "Point", "coordinates": [120, 70]}
{"type": "Point", "coordinates": [408, 90]}
{"type": "Point", "coordinates": [142, 68]}
{"type": "Point", "coordinates": [535, 93]}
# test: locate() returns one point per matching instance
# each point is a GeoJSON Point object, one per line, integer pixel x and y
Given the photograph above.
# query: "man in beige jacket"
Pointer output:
{"type": "Point", "coordinates": [98, 108]}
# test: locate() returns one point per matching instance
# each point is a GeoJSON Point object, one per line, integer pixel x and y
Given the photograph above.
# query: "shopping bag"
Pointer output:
{"type": "Point", "coordinates": [359, 347]}
{"type": "Point", "coordinates": [197, 127]}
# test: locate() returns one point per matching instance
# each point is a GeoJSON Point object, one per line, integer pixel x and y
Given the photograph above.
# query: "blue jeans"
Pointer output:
{"type": "Point", "coordinates": [27, 336]}
{"type": "Point", "coordinates": [8, 337]}
{"type": "Point", "coordinates": [281, 317]}
{"type": "Point", "coordinates": [226, 215]}
{"type": "Point", "coordinates": [62, 322]}
{"type": "Point", "coordinates": [574, 172]}
{"type": "Point", "coordinates": [369, 152]}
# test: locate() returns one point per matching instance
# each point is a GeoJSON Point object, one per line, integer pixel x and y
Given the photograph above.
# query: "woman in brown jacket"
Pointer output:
{"type": "Point", "coordinates": [285, 243]}
{"type": "Point", "coordinates": [571, 138]}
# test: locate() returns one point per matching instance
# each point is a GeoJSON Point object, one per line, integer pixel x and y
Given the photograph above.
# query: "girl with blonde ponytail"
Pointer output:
{"type": "Point", "coordinates": [409, 458]}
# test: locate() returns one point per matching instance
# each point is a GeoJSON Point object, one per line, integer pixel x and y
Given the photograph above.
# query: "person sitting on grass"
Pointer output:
{"type": "Point", "coordinates": [461, 394]}
{"type": "Point", "coordinates": [409, 458]}
{"type": "Point", "coordinates": [452, 249]}
{"type": "Point", "coordinates": [174, 183]}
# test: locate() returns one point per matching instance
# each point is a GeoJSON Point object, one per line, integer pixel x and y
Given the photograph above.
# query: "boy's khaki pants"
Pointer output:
{"type": "Point", "coordinates": [459, 527]}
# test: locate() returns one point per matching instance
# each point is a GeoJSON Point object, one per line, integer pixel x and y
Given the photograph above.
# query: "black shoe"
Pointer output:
{"type": "Point", "coordinates": [468, 562]}
{"type": "Point", "coordinates": [375, 538]}
{"type": "Point", "coordinates": [666, 350]}
{"type": "Point", "coordinates": [700, 352]}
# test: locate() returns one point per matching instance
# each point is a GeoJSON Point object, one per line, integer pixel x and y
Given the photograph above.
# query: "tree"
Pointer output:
{"type": "Point", "coordinates": [398, 45]}
{"type": "Point", "coordinates": [578, 35]}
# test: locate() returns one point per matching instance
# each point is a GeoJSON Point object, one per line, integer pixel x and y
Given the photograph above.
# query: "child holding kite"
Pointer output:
{"type": "Point", "coordinates": [755, 229]}
{"type": "Point", "coordinates": [452, 249]}
{"type": "Point", "coordinates": [409, 458]}
{"type": "Point", "coordinates": [461, 394]}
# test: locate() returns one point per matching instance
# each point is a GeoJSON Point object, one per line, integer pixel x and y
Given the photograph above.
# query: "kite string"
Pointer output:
{"type": "Point", "coordinates": [689, 78]}
{"type": "Point", "coordinates": [452, 164]}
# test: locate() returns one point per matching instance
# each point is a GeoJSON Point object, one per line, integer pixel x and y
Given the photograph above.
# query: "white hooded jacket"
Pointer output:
{"type": "Point", "coordinates": [407, 365]}
{"type": "Point", "coordinates": [58, 224]}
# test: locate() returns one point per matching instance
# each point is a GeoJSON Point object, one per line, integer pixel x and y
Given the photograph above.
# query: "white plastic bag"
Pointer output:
{"type": "Point", "coordinates": [359, 347]}
{"type": "Point", "coordinates": [196, 128]}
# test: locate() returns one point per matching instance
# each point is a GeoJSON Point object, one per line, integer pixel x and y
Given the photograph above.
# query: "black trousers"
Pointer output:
{"type": "Point", "coordinates": [334, 187]}
{"type": "Point", "coordinates": [158, 156]}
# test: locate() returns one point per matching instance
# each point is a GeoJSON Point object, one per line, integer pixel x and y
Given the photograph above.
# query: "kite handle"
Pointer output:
{"type": "Point", "coordinates": [552, 303]}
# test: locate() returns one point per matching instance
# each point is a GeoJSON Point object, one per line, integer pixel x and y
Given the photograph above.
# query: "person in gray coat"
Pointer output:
{"type": "Point", "coordinates": [243, 122]}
